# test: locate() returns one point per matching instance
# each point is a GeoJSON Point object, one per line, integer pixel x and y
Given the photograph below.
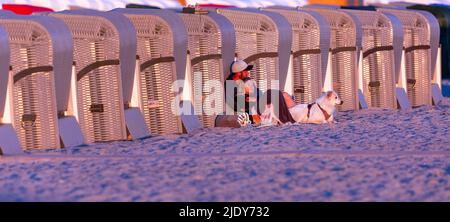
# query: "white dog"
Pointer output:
{"type": "Point", "coordinates": [322, 111]}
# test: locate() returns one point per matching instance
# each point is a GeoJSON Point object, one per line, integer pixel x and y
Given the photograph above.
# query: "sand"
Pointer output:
{"type": "Point", "coordinates": [369, 155]}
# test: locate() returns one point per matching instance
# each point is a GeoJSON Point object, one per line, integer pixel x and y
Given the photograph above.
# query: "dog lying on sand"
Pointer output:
{"type": "Point", "coordinates": [321, 111]}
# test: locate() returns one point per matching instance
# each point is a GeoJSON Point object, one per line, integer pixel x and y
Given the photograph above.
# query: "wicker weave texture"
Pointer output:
{"type": "Point", "coordinates": [378, 59]}
{"type": "Point", "coordinates": [257, 43]}
{"type": "Point", "coordinates": [416, 44]}
{"type": "Point", "coordinates": [34, 99]}
{"type": "Point", "coordinates": [306, 48]}
{"type": "Point", "coordinates": [99, 91]}
{"type": "Point", "coordinates": [155, 40]}
{"type": "Point", "coordinates": [343, 47]}
{"type": "Point", "coordinates": [205, 47]}
{"type": "Point", "coordinates": [4, 68]}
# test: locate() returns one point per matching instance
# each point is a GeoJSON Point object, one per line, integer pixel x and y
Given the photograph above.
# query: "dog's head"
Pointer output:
{"type": "Point", "coordinates": [332, 98]}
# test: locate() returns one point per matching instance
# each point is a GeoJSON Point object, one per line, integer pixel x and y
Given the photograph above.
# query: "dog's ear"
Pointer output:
{"type": "Point", "coordinates": [329, 94]}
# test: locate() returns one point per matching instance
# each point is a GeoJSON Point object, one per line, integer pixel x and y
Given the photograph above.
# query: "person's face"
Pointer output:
{"type": "Point", "coordinates": [245, 74]}
{"type": "Point", "coordinates": [237, 76]}
{"type": "Point", "coordinates": [241, 75]}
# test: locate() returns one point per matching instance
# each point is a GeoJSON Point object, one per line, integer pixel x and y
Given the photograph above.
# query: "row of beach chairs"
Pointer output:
{"type": "Point", "coordinates": [75, 77]}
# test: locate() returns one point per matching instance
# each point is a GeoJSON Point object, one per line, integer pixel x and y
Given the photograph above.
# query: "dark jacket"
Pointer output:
{"type": "Point", "coordinates": [281, 111]}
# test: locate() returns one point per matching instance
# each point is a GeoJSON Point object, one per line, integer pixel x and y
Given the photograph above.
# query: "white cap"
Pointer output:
{"type": "Point", "coordinates": [239, 66]}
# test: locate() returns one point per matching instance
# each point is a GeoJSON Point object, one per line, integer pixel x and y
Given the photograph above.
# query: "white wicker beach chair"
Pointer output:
{"type": "Point", "coordinates": [9, 143]}
{"type": "Point", "coordinates": [345, 44]}
{"type": "Point", "coordinates": [441, 13]}
{"type": "Point", "coordinates": [41, 56]}
{"type": "Point", "coordinates": [421, 42]}
{"type": "Point", "coordinates": [162, 51]}
{"type": "Point", "coordinates": [211, 46]}
{"type": "Point", "coordinates": [436, 57]}
{"type": "Point", "coordinates": [377, 67]}
{"type": "Point", "coordinates": [310, 48]}
{"type": "Point", "coordinates": [263, 39]}
{"type": "Point", "coordinates": [104, 63]}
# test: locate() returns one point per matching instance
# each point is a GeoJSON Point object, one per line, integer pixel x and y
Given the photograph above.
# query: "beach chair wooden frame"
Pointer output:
{"type": "Point", "coordinates": [345, 47]}
{"type": "Point", "coordinates": [9, 143]}
{"type": "Point", "coordinates": [41, 54]}
{"type": "Point", "coordinates": [420, 51]}
{"type": "Point", "coordinates": [442, 70]}
{"type": "Point", "coordinates": [103, 75]}
{"type": "Point", "coordinates": [211, 47]}
{"type": "Point", "coordinates": [309, 56]}
{"type": "Point", "coordinates": [436, 56]}
{"type": "Point", "coordinates": [377, 78]}
{"type": "Point", "coordinates": [263, 39]}
{"type": "Point", "coordinates": [162, 52]}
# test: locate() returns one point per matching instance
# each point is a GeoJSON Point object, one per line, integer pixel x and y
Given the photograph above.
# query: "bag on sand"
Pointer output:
{"type": "Point", "coordinates": [233, 121]}
{"type": "Point", "coordinates": [227, 121]}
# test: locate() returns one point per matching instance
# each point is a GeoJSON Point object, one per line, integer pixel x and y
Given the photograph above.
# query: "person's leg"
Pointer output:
{"type": "Point", "coordinates": [281, 108]}
{"type": "Point", "coordinates": [288, 99]}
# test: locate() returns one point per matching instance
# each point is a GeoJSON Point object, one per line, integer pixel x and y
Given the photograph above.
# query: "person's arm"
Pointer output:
{"type": "Point", "coordinates": [235, 97]}
{"type": "Point", "coordinates": [250, 90]}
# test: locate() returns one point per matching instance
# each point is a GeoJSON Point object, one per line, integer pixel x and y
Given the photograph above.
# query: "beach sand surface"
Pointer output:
{"type": "Point", "coordinates": [369, 155]}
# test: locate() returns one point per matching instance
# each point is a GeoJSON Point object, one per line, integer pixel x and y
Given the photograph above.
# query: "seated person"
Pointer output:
{"type": "Point", "coordinates": [246, 90]}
